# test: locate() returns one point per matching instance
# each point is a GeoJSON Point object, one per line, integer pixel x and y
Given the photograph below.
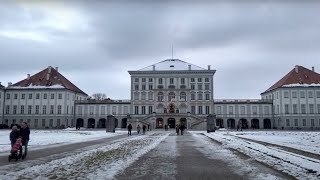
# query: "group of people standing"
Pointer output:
{"type": "Point", "coordinates": [23, 132]}
{"type": "Point", "coordinates": [144, 128]}
{"type": "Point", "coordinates": [180, 128]}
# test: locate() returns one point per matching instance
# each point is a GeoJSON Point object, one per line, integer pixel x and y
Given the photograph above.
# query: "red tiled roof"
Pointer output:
{"type": "Point", "coordinates": [298, 75]}
{"type": "Point", "coordinates": [55, 78]}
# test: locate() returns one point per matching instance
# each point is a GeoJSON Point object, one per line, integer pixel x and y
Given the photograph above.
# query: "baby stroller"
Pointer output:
{"type": "Point", "coordinates": [16, 150]}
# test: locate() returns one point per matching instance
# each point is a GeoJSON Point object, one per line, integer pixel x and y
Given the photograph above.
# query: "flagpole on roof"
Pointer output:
{"type": "Point", "coordinates": [172, 52]}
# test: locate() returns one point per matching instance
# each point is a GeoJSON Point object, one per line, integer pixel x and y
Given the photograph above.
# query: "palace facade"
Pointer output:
{"type": "Point", "coordinates": [163, 94]}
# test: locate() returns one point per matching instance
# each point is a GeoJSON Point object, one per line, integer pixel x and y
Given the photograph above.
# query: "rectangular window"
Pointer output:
{"type": "Point", "coordinates": [51, 123]}
{"type": "Point", "coordinates": [277, 95]}
{"type": "Point", "coordinates": [193, 110]}
{"type": "Point", "coordinates": [295, 108]}
{"type": "Point", "coordinates": [286, 108]}
{"type": "Point", "coordinates": [91, 110]}
{"type": "Point", "coordinates": [15, 96]}
{"type": "Point", "coordinates": [67, 109]}
{"type": "Point", "coordinates": [200, 96]}
{"type": "Point", "coordinates": [68, 96]}
{"type": "Point", "coordinates": [7, 109]}
{"type": "Point", "coordinates": [52, 96]}
{"type": "Point", "coordinates": [303, 109]}
{"type": "Point", "coordinates": [44, 109]}
{"type": "Point", "coordinates": [230, 110]}
{"type": "Point", "coordinates": [207, 96]}
{"type": "Point", "coordinates": [29, 109]}
{"type": "Point", "coordinates": [199, 87]}
{"type": "Point", "coordinates": [59, 109]}
{"type": "Point", "coordinates": [45, 96]}
{"type": "Point", "coordinates": [310, 94]}
{"type": "Point", "coordinates": [150, 79]}
{"type": "Point", "coordinates": [125, 110]}
{"type": "Point", "coordinates": [199, 109]}
{"type": "Point", "coordinates": [192, 86]}
{"type": "Point", "coordinates": [103, 110]}
{"type": "Point", "coordinates": [143, 79]}
{"type": "Point", "coordinates": [219, 110]}
{"type": "Point", "coordinates": [136, 87]}
{"type": "Point", "coordinates": [8, 96]}
{"type": "Point", "coordinates": [23, 96]}
{"type": "Point", "coordinates": [30, 96]}
{"type": "Point", "coordinates": [286, 94]}
{"type": "Point", "coordinates": [150, 87]}
{"type": "Point", "coordinates": [288, 122]}
{"type": "Point", "coordinates": [171, 80]}
{"type": "Point", "coordinates": [38, 96]}
{"type": "Point", "coordinates": [143, 110]}
{"type": "Point", "coordinates": [160, 80]}
{"type": "Point", "coordinates": [296, 123]}
{"type": "Point", "coordinates": [206, 80]}
{"type": "Point", "coordinates": [254, 110]}
{"type": "Point", "coordinates": [136, 110]}
{"type": "Point", "coordinates": [199, 79]}
{"type": "Point", "coordinates": [43, 123]}
{"type": "Point", "coordinates": [15, 109]}
{"type": "Point", "coordinates": [294, 94]}
{"type": "Point", "coordinates": [278, 109]}
{"type": "Point", "coordinates": [182, 81]}
{"type": "Point", "coordinates": [143, 96]}
{"type": "Point", "coordinates": [302, 94]}
{"type": "Point", "coordinates": [207, 109]}
{"type": "Point", "coordinates": [192, 79]}
{"type": "Point", "coordinates": [312, 123]}
{"type": "Point", "coordinates": [304, 122]}
{"type": "Point", "coordinates": [311, 108]}
{"type": "Point", "coordinates": [143, 87]}
{"type": "Point", "coordinates": [206, 87]}
{"type": "Point", "coordinates": [36, 123]}
{"type": "Point", "coordinates": [318, 94]}
{"type": "Point", "coordinates": [150, 109]}
{"type": "Point", "coordinates": [266, 110]}
{"type": "Point", "coordinates": [37, 109]}
{"type": "Point", "coordinates": [21, 109]}
{"type": "Point", "coordinates": [136, 80]}
{"type": "Point", "coordinates": [51, 109]}
{"type": "Point", "coordinates": [60, 96]}
{"type": "Point", "coordinates": [150, 96]}
{"type": "Point", "coordinates": [193, 97]}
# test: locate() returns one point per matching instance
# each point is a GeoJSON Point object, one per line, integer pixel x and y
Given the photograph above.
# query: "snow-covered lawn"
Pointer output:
{"type": "Point", "coordinates": [42, 138]}
{"type": "Point", "coordinates": [296, 165]}
{"type": "Point", "coordinates": [305, 141]}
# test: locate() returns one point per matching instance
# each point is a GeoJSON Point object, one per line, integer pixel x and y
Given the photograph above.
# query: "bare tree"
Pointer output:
{"type": "Point", "coordinates": [99, 96]}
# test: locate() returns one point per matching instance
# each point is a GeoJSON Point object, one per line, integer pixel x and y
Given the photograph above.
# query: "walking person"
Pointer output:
{"type": "Point", "coordinates": [138, 129]}
{"type": "Point", "coordinates": [14, 134]}
{"type": "Point", "coordinates": [177, 129]}
{"type": "Point", "coordinates": [25, 134]}
{"type": "Point", "coordinates": [182, 127]}
{"type": "Point", "coordinates": [129, 129]}
{"type": "Point", "coordinates": [144, 127]}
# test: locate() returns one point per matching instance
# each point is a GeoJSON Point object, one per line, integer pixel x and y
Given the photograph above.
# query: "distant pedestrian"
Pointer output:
{"type": "Point", "coordinates": [144, 127]}
{"type": "Point", "coordinates": [182, 127]}
{"type": "Point", "coordinates": [129, 129]}
{"type": "Point", "coordinates": [25, 134]}
{"type": "Point", "coordinates": [138, 128]}
{"type": "Point", "coordinates": [177, 129]}
{"type": "Point", "coordinates": [148, 127]}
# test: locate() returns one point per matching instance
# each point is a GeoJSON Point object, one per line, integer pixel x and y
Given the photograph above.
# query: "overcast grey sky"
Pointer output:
{"type": "Point", "coordinates": [94, 43]}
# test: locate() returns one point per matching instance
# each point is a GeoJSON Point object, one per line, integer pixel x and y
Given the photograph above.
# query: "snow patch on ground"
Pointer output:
{"type": "Point", "coordinates": [40, 139]}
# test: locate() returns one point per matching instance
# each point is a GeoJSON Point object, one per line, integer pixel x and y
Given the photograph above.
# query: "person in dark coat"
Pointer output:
{"type": "Point", "coordinates": [182, 127]}
{"type": "Point", "coordinates": [14, 134]}
{"type": "Point", "coordinates": [25, 134]}
{"type": "Point", "coordinates": [144, 127]}
{"type": "Point", "coordinates": [129, 129]}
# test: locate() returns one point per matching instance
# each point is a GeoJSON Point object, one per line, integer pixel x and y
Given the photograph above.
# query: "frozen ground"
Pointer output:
{"type": "Point", "coordinates": [42, 138]}
{"type": "Point", "coordinates": [305, 141]}
{"type": "Point", "coordinates": [293, 164]}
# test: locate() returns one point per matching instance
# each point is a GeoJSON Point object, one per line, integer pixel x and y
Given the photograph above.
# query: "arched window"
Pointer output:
{"type": "Point", "coordinates": [160, 97]}
{"type": "Point", "coordinates": [183, 96]}
{"type": "Point", "coordinates": [172, 96]}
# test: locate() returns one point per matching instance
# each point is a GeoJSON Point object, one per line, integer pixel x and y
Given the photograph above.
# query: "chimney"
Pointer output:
{"type": "Point", "coordinates": [296, 69]}
{"type": "Point", "coordinates": [48, 77]}
{"type": "Point", "coordinates": [28, 76]}
{"type": "Point", "coordinates": [209, 67]}
{"type": "Point", "coordinates": [9, 84]}
{"type": "Point", "coordinates": [49, 69]}
{"type": "Point", "coordinates": [189, 66]}
{"type": "Point", "coordinates": [57, 68]}
{"type": "Point", "coordinates": [154, 67]}
{"type": "Point", "coordinates": [313, 68]}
